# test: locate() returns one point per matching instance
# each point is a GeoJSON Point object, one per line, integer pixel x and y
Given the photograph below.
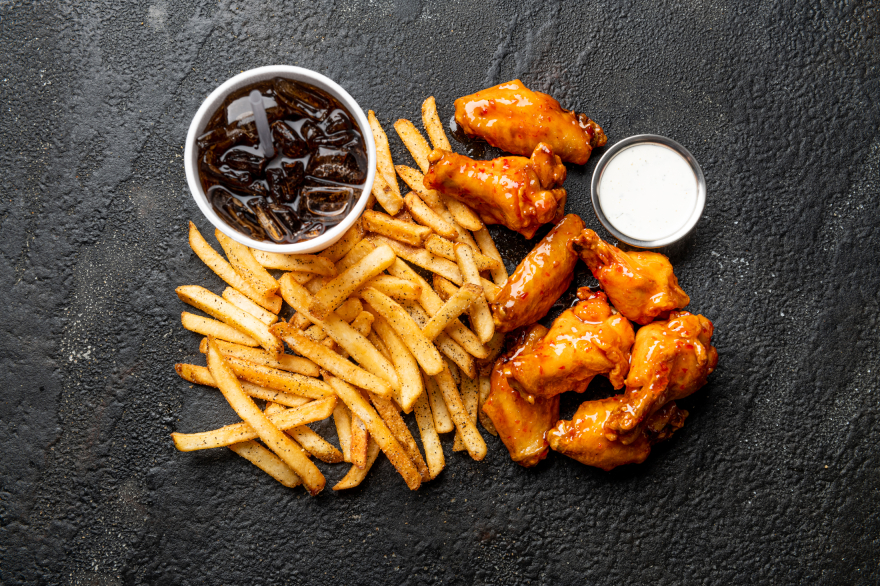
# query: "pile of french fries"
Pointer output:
{"type": "Point", "coordinates": [370, 338]}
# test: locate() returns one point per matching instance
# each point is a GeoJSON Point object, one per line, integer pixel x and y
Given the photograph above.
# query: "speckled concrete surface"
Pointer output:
{"type": "Point", "coordinates": [774, 479]}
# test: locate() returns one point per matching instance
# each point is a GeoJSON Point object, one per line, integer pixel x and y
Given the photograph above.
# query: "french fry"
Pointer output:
{"type": "Point", "coordinates": [485, 388]}
{"type": "Point", "coordinates": [444, 343]}
{"type": "Point", "coordinates": [383, 154]}
{"type": "Point", "coordinates": [463, 235]}
{"type": "Point", "coordinates": [358, 252]}
{"type": "Point", "coordinates": [245, 304]}
{"type": "Point", "coordinates": [380, 345]}
{"type": "Point", "coordinates": [211, 327]}
{"type": "Point", "coordinates": [481, 316]}
{"type": "Point", "coordinates": [280, 361]}
{"type": "Point", "coordinates": [422, 348]}
{"type": "Point", "coordinates": [433, 125]}
{"type": "Point", "coordinates": [359, 439]}
{"type": "Point", "coordinates": [396, 288]}
{"type": "Point", "coordinates": [224, 270]}
{"type": "Point", "coordinates": [430, 439]}
{"type": "Point", "coordinates": [342, 246]}
{"type": "Point", "coordinates": [387, 226]}
{"type": "Point", "coordinates": [442, 421]}
{"type": "Point", "coordinates": [465, 216]}
{"type": "Point", "coordinates": [404, 362]}
{"type": "Point", "coordinates": [301, 278]}
{"type": "Point", "coordinates": [385, 194]}
{"type": "Point", "coordinates": [470, 396]}
{"type": "Point", "coordinates": [200, 375]}
{"type": "Point", "coordinates": [332, 362]}
{"type": "Point", "coordinates": [315, 444]}
{"type": "Point", "coordinates": [494, 346]}
{"type": "Point", "coordinates": [445, 289]}
{"type": "Point", "coordinates": [471, 437]}
{"type": "Point", "coordinates": [341, 287]}
{"type": "Point", "coordinates": [454, 307]}
{"type": "Point", "coordinates": [414, 142]}
{"type": "Point", "coordinates": [342, 420]}
{"type": "Point", "coordinates": [303, 263]}
{"type": "Point", "coordinates": [442, 247]}
{"type": "Point", "coordinates": [268, 462]}
{"type": "Point", "coordinates": [356, 475]}
{"type": "Point", "coordinates": [275, 440]}
{"type": "Point", "coordinates": [316, 284]}
{"type": "Point", "coordinates": [428, 217]}
{"type": "Point", "coordinates": [343, 334]}
{"type": "Point", "coordinates": [415, 180]}
{"type": "Point", "coordinates": [363, 323]}
{"type": "Point", "coordinates": [286, 382]}
{"type": "Point", "coordinates": [487, 245]}
{"type": "Point", "coordinates": [217, 307]}
{"type": "Point", "coordinates": [378, 431]}
{"type": "Point", "coordinates": [388, 412]}
{"type": "Point", "coordinates": [246, 265]}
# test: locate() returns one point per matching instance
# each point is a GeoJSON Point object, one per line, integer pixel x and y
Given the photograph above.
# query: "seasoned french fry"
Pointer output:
{"type": "Point", "coordinates": [494, 346]}
{"type": "Point", "coordinates": [430, 440]}
{"type": "Point", "coordinates": [415, 180]}
{"type": "Point", "coordinates": [481, 316]}
{"type": "Point", "coordinates": [487, 245]}
{"type": "Point", "coordinates": [286, 382]}
{"type": "Point", "coordinates": [332, 362]}
{"type": "Point", "coordinates": [465, 216]}
{"type": "Point", "coordinates": [200, 375]}
{"type": "Point", "coordinates": [363, 323]}
{"type": "Point", "coordinates": [404, 362]}
{"type": "Point", "coordinates": [378, 430]}
{"type": "Point", "coordinates": [383, 154]}
{"type": "Point", "coordinates": [387, 226]}
{"type": "Point", "coordinates": [445, 344]}
{"type": "Point", "coordinates": [380, 345]}
{"type": "Point", "coordinates": [470, 396]}
{"type": "Point", "coordinates": [315, 444]}
{"type": "Point", "coordinates": [422, 348]}
{"type": "Point", "coordinates": [246, 265]}
{"type": "Point", "coordinates": [343, 334]}
{"type": "Point", "coordinates": [342, 419]}
{"type": "Point", "coordinates": [275, 440]}
{"type": "Point", "coordinates": [342, 246]}
{"type": "Point", "coordinates": [218, 307]}
{"type": "Point", "coordinates": [446, 248]}
{"type": "Point", "coordinates": [396, 288]}
{"type": "Point", "coordinates": [415, 143]}
{"type": "Point", "coordinates": [428, 217]}
{"type": "Point", "coordinates": [268, 462]}
{"type": "Point", "coordinates": [485, 388]}
{"type": "Point", "coordinates": [442, 421]}
{"type": "Point", "coordinates": [338, 290]}
{"type": "Point", "coordinates": [302, 278]}
{"type": "Point", "coordinates": [471, 437]}
{"type": "Point", "coordinates": [303, 263]}
{"type": "Point", "coordinates": [388, 411]}
{"type": "Point", "coordinates": [454, 307]}
{"type": "Point", "coordinates": [356, 475]}
{"type": "Point", "coordinates": [355, 255]}
{"type": "Point", "coordinates": [385, 194]}
{"type": "Point", "coordinates": [316, 284]}
{"type": "Point", "coordinates": [224, 270]}
{"type": "Point", "coordinates": [433, 125]}
{"type": "Point", "coordinates": [245, 304]}
{"type": "Point", "coordinates": [280, 361]}
{"type": "Point", "coordinates": [211, 327]}
{"type": "Point", "coordinates": [359, 438]}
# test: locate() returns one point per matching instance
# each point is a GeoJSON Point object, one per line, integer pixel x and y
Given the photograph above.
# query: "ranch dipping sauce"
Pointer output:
{"type": "Point", "coordinates": [648, 191]}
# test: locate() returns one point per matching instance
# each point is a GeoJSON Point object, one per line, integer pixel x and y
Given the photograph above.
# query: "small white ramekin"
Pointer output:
{"type": "Point", "coordinates": [210, 105]}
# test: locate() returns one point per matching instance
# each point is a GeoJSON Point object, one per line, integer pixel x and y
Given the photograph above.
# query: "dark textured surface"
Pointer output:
{"type": "Point", "coordinates": [774, 479]}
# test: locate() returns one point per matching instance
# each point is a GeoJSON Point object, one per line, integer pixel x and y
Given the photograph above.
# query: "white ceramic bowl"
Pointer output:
{"type": "Point", "coordinates": [210, 105]}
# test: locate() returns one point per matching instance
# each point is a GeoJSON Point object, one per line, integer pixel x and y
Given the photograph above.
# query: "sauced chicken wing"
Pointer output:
{"type": "Point", "coordinates": [590, 338]}
{"type": "Point", "coordinates": [521, 425]}
{"type": "Point", "coordinates": [641, 284]}
{"type": "Point", "coordinates": [670, 360]}
{"type": "Point", "coordinates": [540, 279]}
{"type": "Point", "coordinates": [520, 193]}
{"type": "Point", "coordinates": [514, 118]}
{"type": "Point", "coordinates": [583, 437]}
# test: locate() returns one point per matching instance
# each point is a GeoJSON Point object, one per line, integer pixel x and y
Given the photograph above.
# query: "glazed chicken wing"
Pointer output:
{"type": "Point", "coordinates": [520, 193]}
{"type": "Point", "coordinates": [514, 118]}
{"type": "Point", "coordinates": [590, 338]}
{"type": "Point", "coordinates": [641, 284]}
{"type": "Point", "coordinates": [583, 437]}
{"type": "Point", "coordinates": [521, 425]}
{"type": "Point", "coordinates": [540, 279]}
{"type": "Point", "coordinates": [670, 360]}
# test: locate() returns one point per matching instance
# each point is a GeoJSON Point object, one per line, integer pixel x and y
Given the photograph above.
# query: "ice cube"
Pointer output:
{"type": "Point", "coordinates": [300, 100]}
{"type": "Point", "coordinates": [336, 165]}
{"type": "Point", "coordinates": [327, 200]}
{"type": "Point", "coordinates": [286, 139]}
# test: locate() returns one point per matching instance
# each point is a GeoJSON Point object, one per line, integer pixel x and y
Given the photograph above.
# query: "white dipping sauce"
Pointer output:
{"type": "Point", "coordinates": [648, 191]}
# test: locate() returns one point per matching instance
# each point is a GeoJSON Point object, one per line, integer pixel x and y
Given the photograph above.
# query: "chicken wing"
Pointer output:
{"type": "Point", "coordinates": [590, 338]}
{"type": "Point", "coordinates": [521, 425]}
{"type": "Point", "coordinates": [670, 360]}
{"type": "Point", "coordinates": [520, 193]}
{"type": "Point", "coordinates": [514, 118]}
{"type": "Point", "coordinates": [640, 284]}
{"type": "Point", "coordinates": [540, 279]}
{"type": "Point", "coordinates": [583, 437]}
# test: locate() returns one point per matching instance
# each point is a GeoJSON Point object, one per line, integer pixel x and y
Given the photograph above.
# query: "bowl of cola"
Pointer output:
{"type": "Point", "coordinates": [281, 159]}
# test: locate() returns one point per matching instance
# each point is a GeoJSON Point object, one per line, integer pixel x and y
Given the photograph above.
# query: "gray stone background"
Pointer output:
{"type": "Point", "coordinates": [774, 479]}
